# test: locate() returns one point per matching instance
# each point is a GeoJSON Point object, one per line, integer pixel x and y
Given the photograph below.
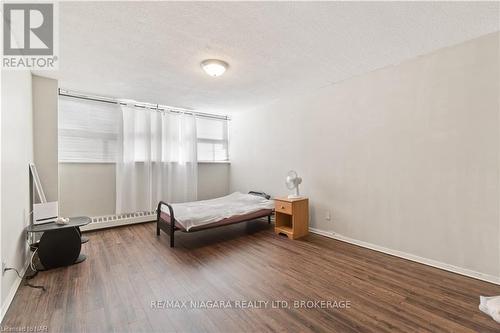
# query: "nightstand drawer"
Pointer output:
{"type": "Point", "coordinates": [283, 207]}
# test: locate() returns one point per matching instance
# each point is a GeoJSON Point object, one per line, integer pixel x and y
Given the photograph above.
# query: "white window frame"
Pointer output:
{"type": "Point", "coordinates": [224, 141]}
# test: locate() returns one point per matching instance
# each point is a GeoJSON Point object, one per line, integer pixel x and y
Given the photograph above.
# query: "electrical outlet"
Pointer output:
{"type": "Point", "coordinates": [328, 215]}
{"type": "Point", "coordinates": [4, 266]}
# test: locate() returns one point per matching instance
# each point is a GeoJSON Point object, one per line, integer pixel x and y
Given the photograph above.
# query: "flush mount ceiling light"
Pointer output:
{"type": "Point", "coordinates": [214, 67]}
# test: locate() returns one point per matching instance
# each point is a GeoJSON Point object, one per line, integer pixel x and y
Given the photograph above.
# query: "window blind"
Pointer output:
{"type": "Point", "coordinates": [212, 135]}
{"type": "Point", "coordinates": [87, 131]}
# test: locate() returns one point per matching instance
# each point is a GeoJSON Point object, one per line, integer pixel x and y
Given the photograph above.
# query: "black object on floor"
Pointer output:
{"type": "Point", "coordinates": [60, 245]}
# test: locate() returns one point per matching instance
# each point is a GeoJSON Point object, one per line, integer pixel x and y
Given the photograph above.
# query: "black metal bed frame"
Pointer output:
{"type": "Point", "coordinates": [170, 228]}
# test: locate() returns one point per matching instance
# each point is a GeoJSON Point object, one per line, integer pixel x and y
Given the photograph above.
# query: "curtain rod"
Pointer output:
{"type": "Point", "coordinates": [74, 94]}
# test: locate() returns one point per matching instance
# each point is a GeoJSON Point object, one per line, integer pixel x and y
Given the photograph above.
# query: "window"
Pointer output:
{"type": "Point", "coordinates": [88, 132]}
{"type": "Point", "coordinates": [212, 140]}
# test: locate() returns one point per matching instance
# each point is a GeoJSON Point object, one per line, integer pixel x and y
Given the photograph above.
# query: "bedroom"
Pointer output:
{"type": "Point", "coordinates": [367, 132]}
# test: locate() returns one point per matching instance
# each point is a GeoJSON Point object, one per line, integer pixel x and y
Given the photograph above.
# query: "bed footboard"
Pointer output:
{"type": "Point", "coordinates": [169, 228]}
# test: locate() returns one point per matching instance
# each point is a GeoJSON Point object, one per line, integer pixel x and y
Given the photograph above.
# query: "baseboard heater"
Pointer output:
{"type": "Point", "coordinates": [108, 221]}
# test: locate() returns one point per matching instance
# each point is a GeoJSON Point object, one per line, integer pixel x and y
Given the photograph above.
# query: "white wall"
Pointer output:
{"type": "Point", "coordinates": [17, 153]}
{"type": "Point", "coordinates": [89, 188]}
{"type": "Point", "coordinates": [45, 136]}
{"type": "Point", "coordinates": [406, 157]}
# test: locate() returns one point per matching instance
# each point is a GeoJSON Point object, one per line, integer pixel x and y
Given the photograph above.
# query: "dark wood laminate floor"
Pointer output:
{"type": "Point", "coordinates": [129, 267]}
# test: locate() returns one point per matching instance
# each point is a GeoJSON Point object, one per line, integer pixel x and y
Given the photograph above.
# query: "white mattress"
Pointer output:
{"type": "Point", "coordinates": [198, 213]}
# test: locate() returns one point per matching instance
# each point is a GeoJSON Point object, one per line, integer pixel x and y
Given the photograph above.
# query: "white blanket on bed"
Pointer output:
{"type": "Point", "coordinates": [198, 213]}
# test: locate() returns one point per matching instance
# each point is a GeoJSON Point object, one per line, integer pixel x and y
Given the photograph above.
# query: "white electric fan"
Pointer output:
{"type": "Point", "coordinates": [292, 182]}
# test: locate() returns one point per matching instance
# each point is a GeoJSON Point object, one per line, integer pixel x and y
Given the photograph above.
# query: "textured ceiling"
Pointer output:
{"type": "Point", "coordinates": [150, 51]}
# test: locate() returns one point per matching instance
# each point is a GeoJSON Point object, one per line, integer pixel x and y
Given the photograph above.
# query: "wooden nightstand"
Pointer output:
{"type": "Point", "coordinates": [292, 217]}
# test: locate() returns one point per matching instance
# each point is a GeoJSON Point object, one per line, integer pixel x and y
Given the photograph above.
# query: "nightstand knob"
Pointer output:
{"type": "Point", "coordinates": [282, 207]}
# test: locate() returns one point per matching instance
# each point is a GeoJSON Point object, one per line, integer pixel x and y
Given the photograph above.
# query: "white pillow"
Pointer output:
{"type": "Point", "coordinates": [490, 306]}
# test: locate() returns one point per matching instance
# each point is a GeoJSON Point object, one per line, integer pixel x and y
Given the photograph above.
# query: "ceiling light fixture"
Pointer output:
{"type": "Point", "coordinates": [214, 67]}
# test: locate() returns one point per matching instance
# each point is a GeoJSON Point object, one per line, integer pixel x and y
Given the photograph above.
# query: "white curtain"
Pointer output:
{"type": "Point", "coordinates": [157, 159]}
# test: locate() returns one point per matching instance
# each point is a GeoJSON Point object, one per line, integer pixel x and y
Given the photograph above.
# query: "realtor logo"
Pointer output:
{"type": "Point", "coordinates": [29, 36]}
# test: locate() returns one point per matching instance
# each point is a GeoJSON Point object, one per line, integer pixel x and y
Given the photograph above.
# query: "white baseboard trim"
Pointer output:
{"type": "Point", "coordinates": [412, 257]}
{"type": "Point", "coordinates": [12, 291]}
{"type": "Point", "coordinates": [117, 223]}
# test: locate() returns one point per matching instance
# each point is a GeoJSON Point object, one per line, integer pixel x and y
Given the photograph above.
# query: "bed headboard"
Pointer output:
{"type": "Point", "coordinates": [260, 194]}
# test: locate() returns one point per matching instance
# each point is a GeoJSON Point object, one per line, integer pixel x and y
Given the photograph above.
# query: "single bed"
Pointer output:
{"type": "Point", "coordinates": [206, 214]}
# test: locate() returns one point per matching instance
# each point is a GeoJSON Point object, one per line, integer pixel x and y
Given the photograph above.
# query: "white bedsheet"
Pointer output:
{"type": "Point", "coordinates": [198, 213]}
{"type": "Point", "coordinates": [490, 306]}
